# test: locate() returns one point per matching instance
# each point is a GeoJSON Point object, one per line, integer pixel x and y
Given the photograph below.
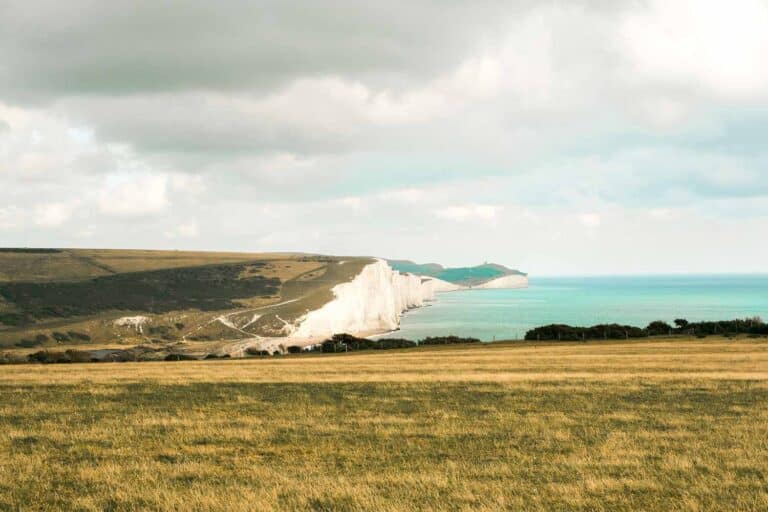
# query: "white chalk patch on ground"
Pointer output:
{"type": "Point", "coordinates": [253, 320]}
{"type": "Point", "coordinates": [137, 322]}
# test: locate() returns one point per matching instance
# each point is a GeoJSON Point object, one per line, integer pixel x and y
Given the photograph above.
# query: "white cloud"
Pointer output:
{"type": "Point", "coordinates": [186, 184]}
{"type": "Point", "coordinates": [53, 214]}
{"type": "Point", "coordinates": [469, 212]}
{"type": "Point", "coordinates": [184, 230]}
{"type": "Point", "coordinates": [721, 46]}
{"type": "Point", "coordinates": [590, 219]}
{"type": "Point", "coordinates": [131, 196]}
{"type": "Point", "coordinates": [405, 195]}
{"type": "Point", "coordinates": [10, 218]}
{"type": "Point", "coordinates": [352, 202]}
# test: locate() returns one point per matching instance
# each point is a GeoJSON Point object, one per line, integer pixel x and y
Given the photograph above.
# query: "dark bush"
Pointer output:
{"type": "Point", "coordinates": [447, 340]}
{"type": "Point", "coordinates": [738, 326]}
{"type": "Point", "coordinates": [180, 357]}
{"type": "Point", "coordinates": [53, 357]}
{"type": "Point", "coordinates": [294, 349]}
{"type": "Point", "coordinates": [29, 250]}
{"type": "Point", "coordinates": [253, 351]}
{"type": "Point", "coordinates": [60, 336]}
{"type": "Point", "coordinates": [659, 328]}
{"type": "Point", "coordinates": [27, 343]}
{"type": "Point", "coordinates": [562, 332]}
{"type": "Point", "coordinates": [349, 343]}
{"type": "Point", "coordinates": [345, 343]}
{"type": "Point", "coordinates": [394, 343]}
{"type": "Point", "coordinates": [78, 356]}
{"type": "Point", "coordinates": [179, 325]}
{"type": "Point", "coordinates": [12, 319]}
{"type": "Point", "coordinates": [79, 336]}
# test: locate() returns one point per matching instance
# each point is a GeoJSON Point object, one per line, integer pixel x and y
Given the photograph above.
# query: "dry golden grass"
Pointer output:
{"type": "Point", "coordinates": [73, 264]}
{"type": "Point", "coordinates": [660, 425]}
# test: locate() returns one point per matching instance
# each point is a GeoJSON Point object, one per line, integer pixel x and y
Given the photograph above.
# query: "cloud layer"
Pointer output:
{"type": "Point", "coordinates": [562, 137]}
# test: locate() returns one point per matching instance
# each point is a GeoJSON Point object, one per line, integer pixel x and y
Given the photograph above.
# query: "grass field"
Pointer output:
{"type": "Point", "coordinates": [652, 425]}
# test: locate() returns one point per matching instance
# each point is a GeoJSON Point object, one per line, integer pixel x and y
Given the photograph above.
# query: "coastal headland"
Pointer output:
{"type": "Point", "coordinates": [207, 304]}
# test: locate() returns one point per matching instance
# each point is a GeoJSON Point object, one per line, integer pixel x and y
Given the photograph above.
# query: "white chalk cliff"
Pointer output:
{"type": "Point", "coordinates": [372, 302]}
{"type": "Point", "coordinates": [507, 282]}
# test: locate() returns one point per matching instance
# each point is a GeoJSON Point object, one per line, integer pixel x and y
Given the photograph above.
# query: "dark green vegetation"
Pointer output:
{"type": "Point", "coordinates": [206, 288]}
{"type": "Point", "coordinates": [561, 332]}
{"type": "Point", "coordinates": [465, 276]}
{"type": "Point", "coordinates": [651, 425]}
{"type": "Point", "coordinates": [29, 250]}
{"type": "Point", "coordinates": [447, 340]}
{"type": "Point", "coordinates": [349, 343]}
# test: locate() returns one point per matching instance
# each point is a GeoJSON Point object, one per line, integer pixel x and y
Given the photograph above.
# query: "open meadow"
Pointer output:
{"type": "Point", "coordinates": [651, 425]}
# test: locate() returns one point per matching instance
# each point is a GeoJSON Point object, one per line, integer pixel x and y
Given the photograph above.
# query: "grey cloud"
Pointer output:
{"type": "Point", "coordinates": [275, 111]}
{"type": "Point", "coordinates": [51, 49]}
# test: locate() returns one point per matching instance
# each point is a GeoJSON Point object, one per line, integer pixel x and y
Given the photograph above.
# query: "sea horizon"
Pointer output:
{"type": "Point", "coordinates": [588, 300]}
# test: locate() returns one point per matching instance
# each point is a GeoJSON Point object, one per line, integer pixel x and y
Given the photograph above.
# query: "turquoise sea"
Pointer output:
{"type": "Point", "coordinates": [633, 300]}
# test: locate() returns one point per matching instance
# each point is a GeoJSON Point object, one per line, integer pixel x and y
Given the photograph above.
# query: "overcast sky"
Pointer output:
{"type": "Point", "coordinates": [557, 137]}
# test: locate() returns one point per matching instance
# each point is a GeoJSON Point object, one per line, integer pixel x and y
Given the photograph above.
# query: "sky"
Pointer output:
{"type": "Point", "coordinates": [557, 137]}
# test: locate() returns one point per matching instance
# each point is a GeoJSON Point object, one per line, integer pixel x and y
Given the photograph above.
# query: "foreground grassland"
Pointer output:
{"type": "Point", "coordinates": [653, 425]}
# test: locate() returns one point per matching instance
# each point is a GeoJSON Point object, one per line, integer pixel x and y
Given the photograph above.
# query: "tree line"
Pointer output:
{"type": "Point", "coordinates": [562, 332]}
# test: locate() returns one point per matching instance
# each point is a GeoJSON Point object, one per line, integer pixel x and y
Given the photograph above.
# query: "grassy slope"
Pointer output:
{"type": "Point", "coordinates": [661, 425]}
{"type": "Point", "coordinates": [468, 276]}
{"type": "Point", "coordinates": [306, 281]}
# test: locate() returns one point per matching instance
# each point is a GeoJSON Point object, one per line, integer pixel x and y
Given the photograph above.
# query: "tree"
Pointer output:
{"type": "Point", "coordinates": [659, 328]}
{"type": "Point", "coordinates": [681, 323]}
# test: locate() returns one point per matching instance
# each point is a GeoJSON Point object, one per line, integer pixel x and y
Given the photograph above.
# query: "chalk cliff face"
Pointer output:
{"type": "Point", "coordinates": [513, 281]}
{"type": "Point", "coordinates": [371, 303]}
{"type": "Point", "coordinates": [439, 286]}
{"type": "Point", "coordinates": [375, 299]}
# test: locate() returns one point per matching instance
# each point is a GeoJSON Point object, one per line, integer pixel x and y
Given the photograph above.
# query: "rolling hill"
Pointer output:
{"type": "Point", "coordinates": [51, 297]}
{"type": "Point", "coordinates": [463, 276]}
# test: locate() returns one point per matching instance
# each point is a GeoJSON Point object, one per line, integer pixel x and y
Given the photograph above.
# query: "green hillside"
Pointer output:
{"type": "Point", "coordinates": [51, 297]}
{"type": "Point", "coordinates": [466, 276]}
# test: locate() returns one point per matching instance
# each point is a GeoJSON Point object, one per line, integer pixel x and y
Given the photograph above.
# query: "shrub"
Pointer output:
{"type": "Point", "coordinates": [78, 356]}
{"type": "Point", "coordinates": [214, 356]}
{"type": "Point", "coordinates": [253, 351]}
{"type": "Point", "coordinates": [394, 343]}
{"type": "Point", "coordinates": [60, 336]}
{"type": "Point", "coordinates": [447, 340]}
{"type": "Point", "coordinates": [50, 357]}
{"type": "Point", "coordinates": [562, 332]}
{"type": "Point", "coordinates": [180, 357]}
{"type": "Point", "coordinates": [659, 328]}
{"type": "Point", "coordinates": [27, 343]}
{"type": "Point", "coordinates": [12, 319]}
{"type": "Point", "coordinates": [349, 343]}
